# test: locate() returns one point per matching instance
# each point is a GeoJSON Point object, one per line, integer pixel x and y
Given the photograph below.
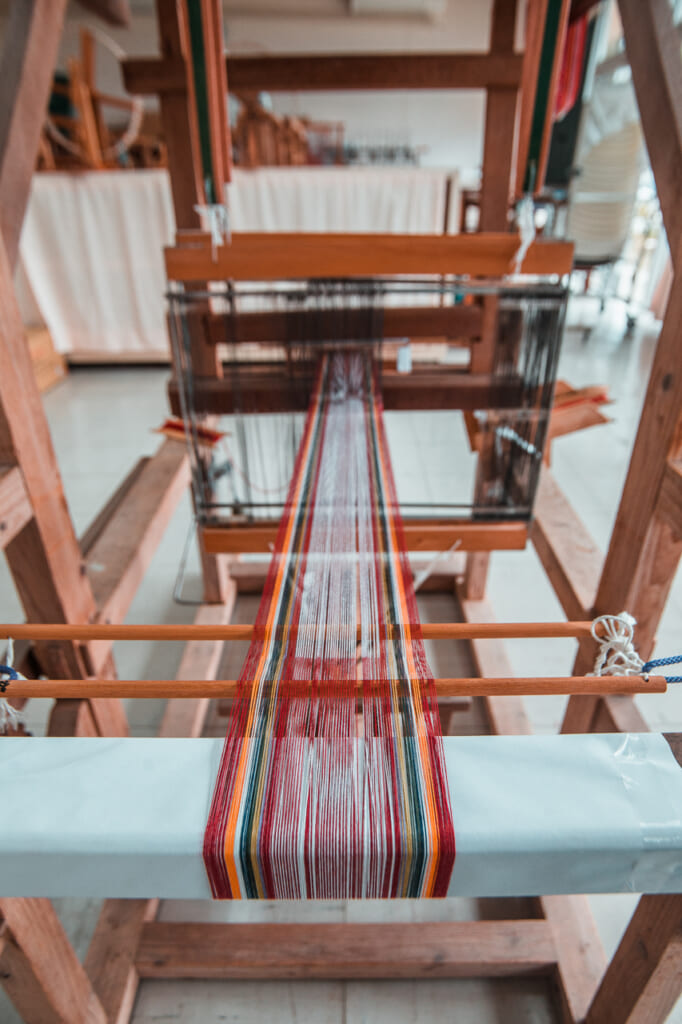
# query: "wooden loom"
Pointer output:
{"type": "Point", "coordinates": [642, 559]}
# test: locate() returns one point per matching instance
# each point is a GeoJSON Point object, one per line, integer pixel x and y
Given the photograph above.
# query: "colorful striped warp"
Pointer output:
{"type": "Point", "coordinates": [332, 781]}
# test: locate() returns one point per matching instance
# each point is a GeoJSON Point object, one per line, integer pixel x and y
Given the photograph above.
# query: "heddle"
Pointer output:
{"type": "Point", "coordinates": [327, 789]}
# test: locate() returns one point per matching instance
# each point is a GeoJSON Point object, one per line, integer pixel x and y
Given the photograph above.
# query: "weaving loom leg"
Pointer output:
{"type": "Point", "coordinates": [644, 978]}
{"type": "Point", "coordinates": [39, 969]}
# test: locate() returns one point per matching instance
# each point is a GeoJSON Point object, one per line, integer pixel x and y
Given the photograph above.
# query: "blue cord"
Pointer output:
{"type": "Point", "coordinates": [659, 663]}
{"type": "Point", "coordinates": [7, 670]}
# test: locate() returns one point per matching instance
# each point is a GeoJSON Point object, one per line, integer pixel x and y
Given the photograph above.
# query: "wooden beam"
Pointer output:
{"type": "Point", "coordinates": [253, 257]}
{"type": "Point", "coordinates": [568, 554]}
{"type": "Point", "coordinates": [287, 326]}
{"type": "Point", "coordinates": [653, 49]}
{"type": "Point", "coordinates": [669, 504]}
{"type": "Point", "coordinates": [15, 508]}
{"type": "Point", "coordinates": [464, 949]}
{"type": "Point", "coordinates": [335, 72]}
{"type": "Point", "coordinates": [44, 556]}
{"type": "Point", "coordinates": [110, 960]}
{"type": "Point", "coordinates": [420, 535]}
{"type": "Point", "coordinates": [118, 558]}
{"type": "Point", "coordinates": [500, 137]}
{"type": "Point", "coordinates": [644, 979]}
{"type": "Point", "coordinates": [643, 552]}
{"type": "Point", "coordinates": [200, 660]}
{"type": "Point", "coordinates": [29, 55]}
{"type": "Point", "coordinates": [536, 13]}
{"type": "Point", "coordinates": [39, 970]}
{"type": "Point", "coordinates": [267, 388]}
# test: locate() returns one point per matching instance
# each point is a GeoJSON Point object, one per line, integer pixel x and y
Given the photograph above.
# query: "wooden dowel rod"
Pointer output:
{"type": "Point", "coordinates": [464, 687]}
{"type": "Point", "coordinates": [236, 631]}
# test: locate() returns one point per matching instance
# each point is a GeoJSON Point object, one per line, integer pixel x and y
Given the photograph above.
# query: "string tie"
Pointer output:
{"type": "Point", "coordinates": [617, 654]}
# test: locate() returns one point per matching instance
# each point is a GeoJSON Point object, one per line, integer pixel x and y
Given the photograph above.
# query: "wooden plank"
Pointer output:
{"type": "Point", "coordinates": [334, 72]}
{"type": "Point", "coordinates": [200, 660]}
{"type": "Point", "coordinates": [44, 556]}
{"type": "Point", "coordinates": [536, 12]}
{"type": "Point", "coordinates": [463, 949]}
{"type": "Point", "coordinates": [653, 49]}
{"type": "Point", "coordinates": [669, 503]}
{"type": "Point", "coordinates": [15, 508]}
{"type": "Point", "coordinates": [287, 326]}
{"type": "Point", "coordinates": [499, 139]}
{"type": "Point", "coordinates": [644, 979]}
{"type": "Point", "coordinates": [581, 960]}
{"type": "Point", "coordinates": [568, 554]}
{"type": "Point", "coordinates": [110, 960]}
{"type": "Point", "coordinates": [118, 558]}
{"type": "Point", "coordinates": [72, 718]}
{"type": "Point", "coordinates": [253, 256]}
{"type": "Point", "coordinates": [268, 389]}
{"type": "Point", "coordinates": [420, 535]}
{"type": "Point", "coordinates": [40, 971]}
{"type": "Point", "coordinates": [31, 42]}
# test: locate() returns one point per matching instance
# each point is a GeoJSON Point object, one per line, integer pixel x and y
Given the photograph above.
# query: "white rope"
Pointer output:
{"type": "Point", "coordinates": [526, 222]}
{"type": "Point", "coordinates": [216, 220]}
{"type": "Point", "coordinates": [10, 717]}
{"type": "Point", "coordinates": [617, 655]}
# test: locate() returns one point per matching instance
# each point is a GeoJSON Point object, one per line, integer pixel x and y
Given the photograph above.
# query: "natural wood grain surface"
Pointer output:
{"type": "Point", "coordinates": [331, 72]}
{"type": "Point", "coordinates": [15, 508]}
{"type": "Point", "coordinates": [420, 535]}
{"type": "Point", "coordinates": [118, 558]}
{"type": "Point", "coordinates": [462, 949]}
{"type": "Point", "coordinates": [254, 257]}
{"type": "Point", "coordinates": [212, 623]}
{"type": "Point", "coordinates": [568, 554]}
{"type": "Point", "coordinates": [653, 52]}
{"type": "Point", "coordinates": [644, 979]}
{"type": "Point", "coordinates": [39, 969]}
{"type": "Point", "coordinates": [191, 689]}
{"type": "Point", "coordinates": [31, 40]}
{"type": "Point", "coordinates": [414, 322]}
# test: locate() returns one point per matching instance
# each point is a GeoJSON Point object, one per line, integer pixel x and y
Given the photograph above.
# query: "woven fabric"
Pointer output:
{"type": "Point", "coordinates": [332, 782]}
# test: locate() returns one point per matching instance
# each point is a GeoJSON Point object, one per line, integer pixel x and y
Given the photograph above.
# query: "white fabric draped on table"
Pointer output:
{"type": "Point", "coordinates": [91, 247]}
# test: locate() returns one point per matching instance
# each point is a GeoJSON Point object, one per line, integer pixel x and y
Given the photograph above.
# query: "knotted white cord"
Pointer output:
{"type": "Point", "coordinates": [526, 222]}
{"type": "Point", "coordinates": [617, 655]}
{"type": "Point", "coordinates": [216, 219]}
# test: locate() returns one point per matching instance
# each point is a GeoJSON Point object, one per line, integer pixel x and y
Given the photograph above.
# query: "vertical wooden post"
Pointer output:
{"type": "Point", "coordinates": [644, 551]}
{"type": "Point", "coordinates": [40, 971]}
{"type": "Point", "coordinates": [32, 35]}
{"type": "Point", "coordinates": [644, 979]}
{"type": "Point", "coordinates": [499, 154]}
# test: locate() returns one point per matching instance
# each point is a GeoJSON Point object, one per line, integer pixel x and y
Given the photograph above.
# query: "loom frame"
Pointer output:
{"type": "Point", "coordinates": [38, 965]}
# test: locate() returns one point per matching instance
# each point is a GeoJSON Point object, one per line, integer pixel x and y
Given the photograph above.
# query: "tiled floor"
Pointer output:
{"type": "Point", "coordinates": [102, 420]}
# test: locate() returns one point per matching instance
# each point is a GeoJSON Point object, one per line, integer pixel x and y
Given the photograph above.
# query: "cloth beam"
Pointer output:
{"type": "Point", "coordinates": [533, 815]}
